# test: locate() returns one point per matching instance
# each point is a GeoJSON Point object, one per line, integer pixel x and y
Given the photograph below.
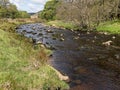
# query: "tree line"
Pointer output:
{"type": "Point", "coordinates": [9, 10]}
{"type": "Point", "coordinates": [85, 13]}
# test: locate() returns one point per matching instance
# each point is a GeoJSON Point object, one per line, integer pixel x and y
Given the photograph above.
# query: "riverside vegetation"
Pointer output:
{"type": "Point", "coordinates": [101, 15]}
{"type": "Point", "coordinates": [22, 65]}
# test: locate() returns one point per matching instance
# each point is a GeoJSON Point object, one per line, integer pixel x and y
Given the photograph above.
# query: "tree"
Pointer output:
{"type": "Point", "coordinates": [4, 3]}
{"type": "Point", "coordinates": [7, 9]}
{"type": "Point", "coordinates": [49, 12]}
{"type": "Point", "coordinates": [88, 13]}
{"type": "Point", "coordinates": [23, 14]}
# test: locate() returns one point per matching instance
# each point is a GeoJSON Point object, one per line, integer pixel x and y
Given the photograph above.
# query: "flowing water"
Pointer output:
{"type": "Point", "coordinates": [90, 59]}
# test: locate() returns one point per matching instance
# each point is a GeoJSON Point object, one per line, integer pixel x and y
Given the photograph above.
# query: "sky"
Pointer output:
{"type": "Point", "coordinates": [29, 5]}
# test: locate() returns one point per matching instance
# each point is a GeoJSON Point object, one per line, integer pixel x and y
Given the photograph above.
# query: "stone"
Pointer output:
{"type": "Point", "coordinates": [33, 28]}
{"type": "Point", "coordinates": [42, 46]}
{"type": "Point", "coordinates": [113, 37]}
{"type": "Point", "coordinates": [117, 56]}
{"type": "Point", "coordinates": [76, 37]}
{"type": "Point", "coordinates": [38, 42]}
{"type": "Point", "coordinates": [62, 39]}
{"type": "Point", "coordinates": [107, 43]}
{"type": "Point", "coordinates": [61, 35]}
{"type": "Point", "coordinates": [49, 31]}
{"type": "Point", "coordinates": [61, 76]}
{"type": "Point", "coordinates": [88, 32]}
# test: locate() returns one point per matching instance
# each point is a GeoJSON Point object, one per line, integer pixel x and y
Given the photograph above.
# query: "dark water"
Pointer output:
{"type": "Point", "coordinates": [84, 56]}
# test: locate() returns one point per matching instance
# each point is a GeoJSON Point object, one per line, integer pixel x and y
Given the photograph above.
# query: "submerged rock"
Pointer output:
{"type": "Point", "coordinates": [77, 81]}
{"type": "Point", "coordinates": [80, 69]}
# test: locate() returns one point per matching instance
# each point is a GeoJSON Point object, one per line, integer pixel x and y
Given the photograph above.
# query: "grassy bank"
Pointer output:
{"type": "Point", "coordinates": [23, 67]}
{"type": "Point", "coordinates": [112, 27]}
{"type": "Point", "coordinates": [62, 24]}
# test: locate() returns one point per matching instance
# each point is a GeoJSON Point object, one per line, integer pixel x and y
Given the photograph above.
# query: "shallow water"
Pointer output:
{"type": "Point", "coordinates": [86, 57]}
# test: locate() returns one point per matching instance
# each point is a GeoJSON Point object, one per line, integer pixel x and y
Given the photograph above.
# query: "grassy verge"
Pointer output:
{"type": "Point", "coordinates": [112, 27]}
{"type": "Point", "coordinates": [61, 24]}
{"type": "Point", "coordinates": [21, 65]}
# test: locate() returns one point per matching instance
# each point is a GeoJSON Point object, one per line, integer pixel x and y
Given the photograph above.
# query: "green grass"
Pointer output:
{"type": "Point", "coordinates": [112, 27]}
{"type": "Point", "coordinates": [21, 65]}
{"type": "Point", "coordinates": [61, 24]}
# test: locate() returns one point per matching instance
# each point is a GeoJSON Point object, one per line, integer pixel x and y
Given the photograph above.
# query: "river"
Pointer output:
{"type": "Point", "coordinates": [90, 59]}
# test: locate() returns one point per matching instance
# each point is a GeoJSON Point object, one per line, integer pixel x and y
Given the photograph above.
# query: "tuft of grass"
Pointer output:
{"type": "Point", "coordinates": [62, 24]}
{"type": "Point", "coordinates": [21, 65]}
{"type": "Point", "coordinates": [112, 27]}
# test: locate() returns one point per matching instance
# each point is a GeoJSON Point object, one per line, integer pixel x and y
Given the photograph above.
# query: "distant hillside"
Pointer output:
{"type": "Point", "coordinates": [31, 13]}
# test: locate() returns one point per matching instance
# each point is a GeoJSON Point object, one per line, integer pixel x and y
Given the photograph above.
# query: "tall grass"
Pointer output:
{"type": "Point", "coordinates": [112, 27]}
{"type": "Point", "coordinates": [62, 24]}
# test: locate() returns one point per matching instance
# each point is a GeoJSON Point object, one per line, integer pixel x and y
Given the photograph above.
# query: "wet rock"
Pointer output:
{"type": "Point", "coordinates": [61, 76]}
{"type": "Point", "coordinates": [47, 43]}
{"type": "Point", "coordinates": [62, 39]}
{"type": "Point", "coordinates": [75, 38]}
{"type": "Point", "coordinates": [93, 41]}
{"type": "Point", "coordinates": [49, 31]}
{"type": "Point", "coordinates": [40, 34]}
{"type": "Point", "coordinates": [24, 31]}
{"type": "Point", "coordinates": [51, 55]}
{"type": "Point", "coordinates": [88, 32]}
{"type": "Point", "coordinates": [33, 28]}
{"type": "Point", "coordinates": [61, 35]}
{"type": "Point", "coordinates": [43, 46]}
{"type": "Point", "coordinates": [117, 56]}
{"type": "Point", "coordinates": [107, 43]}
{"type": "Point", "coordinates": [44, 29]}
{"type": "Point", "coordinates": [79, 34]}
{"type": "Point", "coordinates": [54, 38]}
{"type": "Point", "coordinates": [51, 47]}
{"type": "Point", "coordinates": [95, 37]}
{"type": "Point", "coordinates": [29, 31]}
{"type": "Point", "coordinates": [46, 37]}
{"type": "Point", "coordinates": [38, 42]}
{"type": "Point", "coordinates": [34, 33]}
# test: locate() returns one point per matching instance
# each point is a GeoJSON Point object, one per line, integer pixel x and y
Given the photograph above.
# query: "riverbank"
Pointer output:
{"type": "Point", "coordinates": [22, 65]}
{"type": "Point", "coordinates": [108, 26]}
{"type": "Point", "coordinates": [63, 25]}
{"type": "Point", "coordinates": [112, 27]}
